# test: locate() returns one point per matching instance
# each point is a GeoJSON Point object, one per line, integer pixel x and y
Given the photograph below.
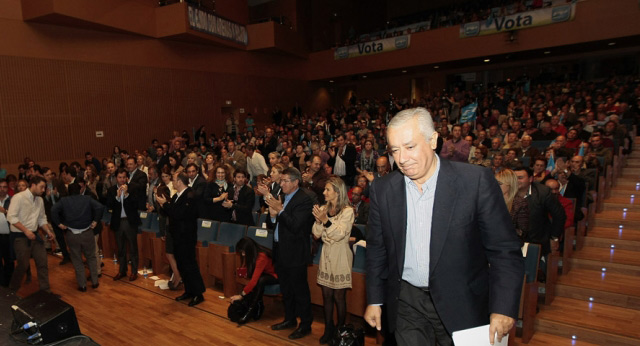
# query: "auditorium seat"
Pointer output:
{"type": "Point", "coordinates": [262, 236]}
{"type": "Point", "coordinates": [221, 255]}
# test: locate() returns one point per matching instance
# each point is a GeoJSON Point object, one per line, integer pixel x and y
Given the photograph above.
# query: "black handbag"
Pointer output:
{"type": "Point", "coordinates": [237, 310]}
{"type": "Point", "coordinates": [349, 336]}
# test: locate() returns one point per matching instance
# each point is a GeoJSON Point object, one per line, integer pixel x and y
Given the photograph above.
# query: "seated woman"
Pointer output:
{"type": "Point", "coordinates": [257, 259]}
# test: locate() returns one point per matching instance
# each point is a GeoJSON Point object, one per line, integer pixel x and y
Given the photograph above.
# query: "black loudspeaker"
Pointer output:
{"type": "Point", "coordinates": [56, 320]}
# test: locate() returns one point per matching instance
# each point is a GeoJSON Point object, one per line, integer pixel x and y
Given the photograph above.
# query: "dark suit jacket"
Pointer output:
{"type": "Point", "coordinates": [138, 187]}
{"type": "Point", "coordinates": [199, 185]}
{"type": "Point", "coordinates": [476, 266]}
{"type": "Point", "coordinates": [183, 218]}
{"type": "Point", "coordinates": [546, 217]}
{"type": "Point", "coordinates": [244, 205]}
{"type": "Point", "coordinates": [164, 160]}
{"type": "Point", "coordinates": [130, 208]}
{"type": "Point", "coordinates": [294, 230]}
{"type": "Point", "coordinates": [363, 213]}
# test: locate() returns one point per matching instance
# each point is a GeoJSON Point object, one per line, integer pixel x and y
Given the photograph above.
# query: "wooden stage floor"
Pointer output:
{"type": "Point", "coordinates": [137, 313]}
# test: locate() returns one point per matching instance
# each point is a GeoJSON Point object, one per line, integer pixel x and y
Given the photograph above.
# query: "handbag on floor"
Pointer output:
{"type": "Point", "coordinates": [237, 310]}
{"type": "Point", "coordinates": [349, 336]}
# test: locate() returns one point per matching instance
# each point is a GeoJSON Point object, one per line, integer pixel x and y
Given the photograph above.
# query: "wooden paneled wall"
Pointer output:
{"type": "Point", "coordinates": [51, 109]}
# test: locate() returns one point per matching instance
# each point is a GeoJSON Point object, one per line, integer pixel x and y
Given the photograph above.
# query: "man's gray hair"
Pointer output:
{"type": "Point", "coordinates": [425, 122]}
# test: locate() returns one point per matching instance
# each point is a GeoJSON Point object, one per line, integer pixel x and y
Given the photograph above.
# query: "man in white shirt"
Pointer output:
{"type": "Point", "coordinates": [256, 164]}
{"type": "Point", "coordinates": [26, 214]}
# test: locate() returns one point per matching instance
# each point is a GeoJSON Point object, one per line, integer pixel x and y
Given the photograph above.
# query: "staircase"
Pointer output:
{"type": "Point", "coordinates": [598, 301]}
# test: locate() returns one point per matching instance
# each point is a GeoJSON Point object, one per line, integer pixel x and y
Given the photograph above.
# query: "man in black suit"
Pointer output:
{"type": "Point", "coordinates": [361, 207]}
{"type": "Point", "coordinates": [546, 215]}
{"type": "Point", "coordinates": [124, 222]}
{"type": "Point", "coordinates": [343, 159]}
{"type": "Point", "coordinates": [162, 158]}
{"type": "Point", "coordinates": [241, 200]}
{"type": "Point", "coordinates": [183, 214]}
{"type": "Point", "coordinates": [292, 220]}
{"type": "Point", "coordinates": [197, 182]}
{"type": "Point", "coordinates": [442, 254]}
{"type": "Point", "coordinates": [137, 183]}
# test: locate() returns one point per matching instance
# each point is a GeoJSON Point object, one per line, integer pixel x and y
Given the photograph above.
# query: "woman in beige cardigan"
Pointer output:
{"type": "Point", "coordinates": [333, 224]}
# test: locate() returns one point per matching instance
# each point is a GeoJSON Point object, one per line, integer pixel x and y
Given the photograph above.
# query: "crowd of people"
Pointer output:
{"type": "Point", "coordinates": [314, 176]}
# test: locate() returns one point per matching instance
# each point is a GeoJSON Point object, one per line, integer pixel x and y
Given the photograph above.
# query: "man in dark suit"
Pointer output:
{"type": "Point", "coordinates": [197, 182]}
{"type": "Point", "coordinates": [124, 222]}
{"type": "Point", "coordinates": [442, 254]}
{"type": "Point", "coordinates": [343, 159]}
{"type": "Point", "coordinates": [162, 158]}
{"type": "Point", "coordinates": [292, 220]}
{"type": "Point", "coordinates": [546, 215]}
{"type": "Point", "coordinates": [241, 200]}
{"type": "Point", "coordinates": [183, 214]}
{"type": "Point", "coordinates": [137, 183]}
{"type": "Point", "coordinates": [361, 207]}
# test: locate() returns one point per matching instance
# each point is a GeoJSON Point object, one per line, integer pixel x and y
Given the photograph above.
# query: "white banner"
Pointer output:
{"type": "Point", "coordinates": [517, 21]}
{"type": "Point", "coordinates": [373, 47]}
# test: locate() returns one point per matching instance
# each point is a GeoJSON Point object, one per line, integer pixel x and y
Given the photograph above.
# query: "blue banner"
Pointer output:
{"type": "Point", "coordinates": [469, 113]}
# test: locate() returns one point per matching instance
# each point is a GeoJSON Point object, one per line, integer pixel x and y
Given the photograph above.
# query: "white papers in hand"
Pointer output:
{"type": "Point", "coordinates": [478, 336]}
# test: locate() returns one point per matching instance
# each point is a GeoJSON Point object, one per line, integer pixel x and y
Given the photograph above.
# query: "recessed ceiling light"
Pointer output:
{"type": "Point", "coordinates": [547, 52]}
{"type": "Point", "coordinates": [436, 66]}
{"type": "Point", "coordinates": [364, 76]}
{"type": "Point", "coordinates": [487, 60]}
{"type": "Point", "coordinates": [612, 43]}
{"type": "Point", "coordinates": [331, 81]}
{"type": "Point", "coordinates": [404, 71]}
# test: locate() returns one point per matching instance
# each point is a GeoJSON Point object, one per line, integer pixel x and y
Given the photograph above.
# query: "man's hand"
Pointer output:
{"type": "Point", "coordinates": [94, 224]}
{"type": "Point", "coordinates": [62, 227]}
{"type": "Point", "coordinates": [499, 324]}
{"type": "Point", "coordinates": [275, 205]}
{"type": "Point", "coordinates": [3, 210]}
{"type": "Point", "coordinates": [373, 316]}
{"type": "Point", "coordinates": [30, 235]}
{"type": "Point", "coordinates": [234, 298]}
{"type": "Point", "coordinates": [555, 245]}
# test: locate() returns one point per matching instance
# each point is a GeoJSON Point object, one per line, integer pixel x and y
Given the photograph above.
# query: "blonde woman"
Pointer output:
{"type": "Point", "coordinates": [518, 207]}
{"type": "Point", "coordinates": [333, 225]}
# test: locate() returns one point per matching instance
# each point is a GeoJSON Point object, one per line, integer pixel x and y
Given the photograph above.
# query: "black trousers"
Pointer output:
{"type": "Point", "coordinates": [185, 254]}
{"type": "Point", "coordinates": [127, 235]}
{"type": "Point", "coordinates": [418, 322]}
{"type": "Point", "coordinates": [62, 242]}
{"type": "Point", "coordinates": [295, 292]}
{"type": "Point", "coordinates": [257, 292]}
{"type": "Point", "coordinates": [6, 260]}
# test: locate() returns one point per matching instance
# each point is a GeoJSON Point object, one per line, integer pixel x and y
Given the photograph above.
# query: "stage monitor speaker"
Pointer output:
{"type": "Point", "coordinates": [56, 319]}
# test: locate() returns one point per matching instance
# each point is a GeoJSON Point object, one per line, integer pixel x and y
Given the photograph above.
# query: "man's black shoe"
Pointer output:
{"type": "Point", "coordinates": [301, 332]}
{"type": "Point", "coordinates": [183, 297]}
{"type": "Point", "coordinates": [284, 325]}
{"type": "Point", "coordinates": [196, 300]}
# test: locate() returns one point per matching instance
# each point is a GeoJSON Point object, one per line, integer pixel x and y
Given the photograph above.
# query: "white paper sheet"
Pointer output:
{"type": "Point", "coordinates": [478, 336]}
{"type": "Point", "coordinates": [163, 284]}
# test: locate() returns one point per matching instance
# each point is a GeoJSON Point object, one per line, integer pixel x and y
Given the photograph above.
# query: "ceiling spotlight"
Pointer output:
{"type": "Point", "coordinates": [487, 60]}
{"type": "Point", "coordinates": [364, 76]}
{"type": "Point", "coordinates": [331, 81]}
{"type": "Point", "coordinates": [611, 43]}
{"type": "Point", "coordinates": [436, 66]}
{"type": "Point", "coordinates": [404, 71]}
{"type": "Point", "coordinates": [547, 52]}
